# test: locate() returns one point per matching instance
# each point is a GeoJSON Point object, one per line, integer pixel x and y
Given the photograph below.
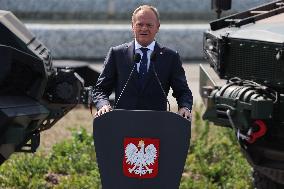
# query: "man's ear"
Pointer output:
{"type": "Point", "coordinates": [132, 26]}
{"type": "Point", "coordinates": [158, 27]}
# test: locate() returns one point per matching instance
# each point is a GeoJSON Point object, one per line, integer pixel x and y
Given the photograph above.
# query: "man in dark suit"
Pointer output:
{"type": "Point", "coordinates": [142, 71]}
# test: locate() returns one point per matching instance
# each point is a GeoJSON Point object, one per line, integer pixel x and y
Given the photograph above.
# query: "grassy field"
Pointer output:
{"type": "Point", "coordinates": [77, 118]}
{"type": "Point", "coordinates": [66, 158]}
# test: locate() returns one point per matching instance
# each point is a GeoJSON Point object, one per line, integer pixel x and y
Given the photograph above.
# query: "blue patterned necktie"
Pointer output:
{"type": "Point", "coordinates": [143, 64]}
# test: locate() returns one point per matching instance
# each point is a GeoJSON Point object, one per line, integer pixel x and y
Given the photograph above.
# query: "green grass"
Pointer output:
{"type": "Point", "coordinates": [70, 164]}
{"type": "Point", "coordinates": [214, 161]}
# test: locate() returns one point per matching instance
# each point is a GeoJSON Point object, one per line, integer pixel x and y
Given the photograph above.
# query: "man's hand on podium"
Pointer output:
{"type": "Point", "coordinates": [185, 112]}
{"type": "Point", "coordinates": [103, 110]}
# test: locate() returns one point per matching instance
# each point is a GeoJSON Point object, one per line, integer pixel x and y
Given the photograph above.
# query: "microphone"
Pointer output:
{"type": "Point", "coordinates": [153, 59]}
{"type": "Point", "coordinates": [136, 60]}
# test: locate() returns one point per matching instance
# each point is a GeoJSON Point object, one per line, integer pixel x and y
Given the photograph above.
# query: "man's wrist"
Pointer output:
{"type": "Point", "coordinates": [107, 105]}
{"type": "Point", "coordinates": [101, 103]}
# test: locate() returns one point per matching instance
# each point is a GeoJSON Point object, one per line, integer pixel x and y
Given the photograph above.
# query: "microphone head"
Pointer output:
{"type": "Point", "coordinates": [137, 58]}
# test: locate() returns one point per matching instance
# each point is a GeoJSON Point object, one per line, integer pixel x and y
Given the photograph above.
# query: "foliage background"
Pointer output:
{"type": "Point", "coordinates": [214, 160]}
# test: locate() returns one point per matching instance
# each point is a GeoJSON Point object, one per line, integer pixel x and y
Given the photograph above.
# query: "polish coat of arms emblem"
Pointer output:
{"type": "Point", "coordinates": [141, 157]}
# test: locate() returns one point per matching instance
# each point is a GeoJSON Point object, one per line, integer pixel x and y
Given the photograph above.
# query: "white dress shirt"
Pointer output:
{"type": "Point", "coordinates": [149, 52]}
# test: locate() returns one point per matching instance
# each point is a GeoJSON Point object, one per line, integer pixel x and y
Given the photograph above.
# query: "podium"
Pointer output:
{"type": "Point", "coordinates": [141, 149]}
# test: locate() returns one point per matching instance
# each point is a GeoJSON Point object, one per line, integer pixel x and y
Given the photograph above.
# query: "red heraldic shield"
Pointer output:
{"type": "Point", "coordinates": [141, 157]}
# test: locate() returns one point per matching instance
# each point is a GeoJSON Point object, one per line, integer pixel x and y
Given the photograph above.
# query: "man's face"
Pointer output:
{"type": "Point", "coordinates": [145, 25]}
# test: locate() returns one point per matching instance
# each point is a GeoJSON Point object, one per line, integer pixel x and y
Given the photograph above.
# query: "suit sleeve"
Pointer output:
{"type": "Point", "coordinates": [106, 81]}
{"type": "Point", "coordinates": [178, 82]}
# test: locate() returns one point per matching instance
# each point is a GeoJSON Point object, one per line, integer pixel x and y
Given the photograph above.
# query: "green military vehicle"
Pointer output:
{"type": "Point", "coordinates": [243, 86]}
{"type": "Point", "coordinates": [34, 94]}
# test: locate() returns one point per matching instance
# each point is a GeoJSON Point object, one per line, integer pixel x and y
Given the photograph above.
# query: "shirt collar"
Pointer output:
{"type": "Point", "coordinates": [151, 46]}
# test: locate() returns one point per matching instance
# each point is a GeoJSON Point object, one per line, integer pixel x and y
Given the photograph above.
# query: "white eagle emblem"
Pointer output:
{"type": "Point", "coordinates": [140, 158]}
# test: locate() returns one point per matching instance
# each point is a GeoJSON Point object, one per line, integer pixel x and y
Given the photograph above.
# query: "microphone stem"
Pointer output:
{"type": "Point", "coordinates": [124, 86]}
{"type": "Point", "coordinates": [155, 73]}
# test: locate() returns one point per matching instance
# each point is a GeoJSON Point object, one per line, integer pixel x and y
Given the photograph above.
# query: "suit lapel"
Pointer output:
{"type": "Point", "coordinates": [151, 74]}
{"type": "Point", "coordinates": [129, 54]}
{"type": "Point", "coordinates": [128, 51]}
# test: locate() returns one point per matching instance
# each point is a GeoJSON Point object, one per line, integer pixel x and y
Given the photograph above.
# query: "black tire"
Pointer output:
{"type": "Point", "coordinates": [262, 182]}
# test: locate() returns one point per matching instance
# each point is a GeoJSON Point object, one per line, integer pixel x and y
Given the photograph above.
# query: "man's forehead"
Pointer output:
{"type": "Point", "coordinates": [145, 11]}
{"type": "Point", "coordinates": [144, 14]}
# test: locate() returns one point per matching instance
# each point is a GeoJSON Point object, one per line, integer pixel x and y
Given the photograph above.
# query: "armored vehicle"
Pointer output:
{"type": "Point", "coordinates": [243, 86]}
{"type": "Point", "coordinates": [34, 94]}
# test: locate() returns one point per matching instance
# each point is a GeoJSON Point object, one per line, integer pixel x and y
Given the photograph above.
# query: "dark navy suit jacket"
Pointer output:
{"type": "Point", "coordinates": [117, 68]}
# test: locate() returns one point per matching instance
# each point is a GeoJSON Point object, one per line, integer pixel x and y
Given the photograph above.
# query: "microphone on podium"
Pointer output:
{"type": "Point", "coordinates": [136, 60]}
{"type": "Point", "coordinates": [153, 60]}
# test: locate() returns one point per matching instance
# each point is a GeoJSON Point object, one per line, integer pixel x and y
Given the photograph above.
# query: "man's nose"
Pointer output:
{"type": "Point", "coordinates": [144, 27]}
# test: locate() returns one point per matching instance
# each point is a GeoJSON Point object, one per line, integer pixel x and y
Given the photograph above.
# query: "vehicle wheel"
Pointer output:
{"type": "Point", "coordinates": [260, 181]}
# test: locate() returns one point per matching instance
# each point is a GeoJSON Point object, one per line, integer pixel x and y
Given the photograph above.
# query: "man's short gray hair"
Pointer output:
{"type": "Point", "coordinates": [143, 7]}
